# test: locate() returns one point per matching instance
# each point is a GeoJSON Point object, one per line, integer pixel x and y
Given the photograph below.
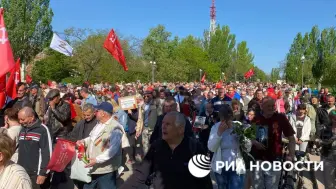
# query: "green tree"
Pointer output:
{"type": "Point", "coordinates": [29, 26]}
{"type": "Point", "coordinates": [259, 74]}
{"type": "Point", "coordinates": [275, 74]}
{"type": "Point", "coordinates": [221, 47]}
{"type": "Point", "coordinates": [55, 67]}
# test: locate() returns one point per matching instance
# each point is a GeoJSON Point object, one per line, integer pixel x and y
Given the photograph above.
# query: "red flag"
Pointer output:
{"type": "Point", "coordinates": [2, 91]}
{"type": "Point", "coordinates": [249, 73]}
{"type": "Point", "coordinates": [49, 83]}
{"type": "Point", "coordinates": [28, 79]}
{"type": "Point", "coordinates": [72, 110]}
{"type": "Point", "coordinates": [13, 80]}
{"type": "Point", "coordinates": [62, 155]}
{"type": "Point", "coordinates": [203, 79]}
{"type": "Point", "coordinates": [6, 54]}
{"type": "Point", "coordinates": [112, 45]}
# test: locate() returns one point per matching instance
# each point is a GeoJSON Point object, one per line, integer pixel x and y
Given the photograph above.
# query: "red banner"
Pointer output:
{"type": "Point", "coordinates": [6, 54]}
{"type": "Point", "coordinates": [28, 79]}
{"type": "Point", "coordinates": [13, 80]}
{"type": "Point", "coordinates": [203, 79]}
{"type": "Point", "coordinates": [113, 46]}
{"type": "Point", "coordinates": [249, 74]}
{"type": "Point", "coordinates": [2, 91]}
{"type": "Point", "coordinates": [62, 155]}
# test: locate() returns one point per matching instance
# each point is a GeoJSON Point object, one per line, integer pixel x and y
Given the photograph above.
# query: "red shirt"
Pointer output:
{"type": "Point", "coordinates": [274, 127]}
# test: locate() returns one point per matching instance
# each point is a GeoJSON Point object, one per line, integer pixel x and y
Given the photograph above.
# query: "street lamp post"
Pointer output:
{"type": "Point", "coordinates": [302, 61]}
{"type": "Point", "coordinates": [153, 63]}
{"type": "Point", "coordinates": [222, 76]}
{"type": "Point", "coordinates": [200, 74]}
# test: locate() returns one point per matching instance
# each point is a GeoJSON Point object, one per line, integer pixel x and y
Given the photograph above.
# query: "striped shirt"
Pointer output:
{"type": "Point", "coordinates": [14, 176]}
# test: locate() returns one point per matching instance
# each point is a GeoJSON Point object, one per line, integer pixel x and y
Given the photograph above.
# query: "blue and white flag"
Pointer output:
{"type": "Point", "coordinates": [61, 45]}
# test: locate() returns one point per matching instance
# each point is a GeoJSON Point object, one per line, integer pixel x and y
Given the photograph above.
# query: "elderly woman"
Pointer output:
{"type": "Point", "coordinates": [227, 149]}
{"type": "Point", "coordinates": [11, 175]}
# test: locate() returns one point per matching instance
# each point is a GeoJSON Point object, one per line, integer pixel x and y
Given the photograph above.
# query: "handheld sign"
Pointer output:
{"type": "Point", "coordinates": [128, 102]}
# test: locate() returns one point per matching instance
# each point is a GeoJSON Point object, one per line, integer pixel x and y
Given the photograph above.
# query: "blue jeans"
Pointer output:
{"type": "Point", "coordinates": [229, 180]}
{"type": "Point", "coordinates": [103, 181]}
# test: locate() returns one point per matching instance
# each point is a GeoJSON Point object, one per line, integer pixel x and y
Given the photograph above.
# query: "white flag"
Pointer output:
{"type": "Point", "coordinates": [61, 45]}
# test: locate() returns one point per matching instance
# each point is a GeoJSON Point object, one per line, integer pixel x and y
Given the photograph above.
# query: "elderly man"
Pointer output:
{"type": "Point", "coordinates": [60, 125]}
{"type": "Point", "coordinates": [170, 105]}
{"type": "Point", "coordinates": [218, 101]}
{"type": "Point", "coordinates": [37, 100]}
{"type": "Point", "coordinates": [19, 102]}
{"type": "Point", "coordinates": [59, 115]}
{"type": "Point", "coordinates": [244, 100]}
{"type": "Point", "coordinates": [147, 119]}
{"type": "Point", "coordinates": [104, 149]}
{"type": "Point", "coordinates": [34, 147]}
{"type": "Point", "coordinates": [84, 127]}
{"type": "Point", "coordinates": [275, 126]}
{"type": "Point", "coordinates": [168, 158]}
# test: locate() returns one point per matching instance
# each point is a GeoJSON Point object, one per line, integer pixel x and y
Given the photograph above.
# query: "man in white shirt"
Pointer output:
{"type": "Point", "coordinates": [103, 148]}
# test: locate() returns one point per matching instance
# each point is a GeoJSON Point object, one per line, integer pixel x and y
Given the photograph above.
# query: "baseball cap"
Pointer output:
{"type": "Point", "coordinates": [53, 93]}
{"type": "Point", "coordinates": [105, 106]}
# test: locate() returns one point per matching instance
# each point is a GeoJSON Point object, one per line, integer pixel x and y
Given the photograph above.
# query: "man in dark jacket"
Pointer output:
{"type": "Point", "coordinates": [168, 159]}
{"type": "Point", "coordinates": [59, 122]}
{"type": "Point", "coordinates": [170, 105]}
{"type": "Point", "coordinates": [85, 126]}
{"type": "Point", "coordinates": [19, 102]}
{"type": "Point", "coordinates": [83, 129]}
{"type": "Point", "coordinates": [34, 148]}
{"type": "Point", "coordinates": [256, 102]}
{"type": "Point", "coordinates": [59, 115]}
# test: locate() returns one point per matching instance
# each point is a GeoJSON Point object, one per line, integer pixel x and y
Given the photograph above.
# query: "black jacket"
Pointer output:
{"type": "Point", "coordinates": [157, 132]}
{"type": "Point", "coordinates": [35, 149]}
{"type": "Point", "coordinates": [59, 120]}
{"type": "Point", "coordinates": [170, 167]}
{"type": "Point", "coordinates": [205, 133]}
{"type": "Point", "coordinates": [82, 127]}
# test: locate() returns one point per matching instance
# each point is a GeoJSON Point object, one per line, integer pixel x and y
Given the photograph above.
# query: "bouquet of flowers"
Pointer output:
{"type": "Point", "coordinates": [81, 154]}
{"type": "Point", "coordinates": [245, 134]}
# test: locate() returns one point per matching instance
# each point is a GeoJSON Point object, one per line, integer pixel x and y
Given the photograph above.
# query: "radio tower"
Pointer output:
{"type": "Point", "coordinates": [213, 17]}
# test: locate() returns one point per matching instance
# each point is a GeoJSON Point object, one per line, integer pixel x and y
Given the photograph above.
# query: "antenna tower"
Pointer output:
{"type": "Point", "coordinates": [213, 17]}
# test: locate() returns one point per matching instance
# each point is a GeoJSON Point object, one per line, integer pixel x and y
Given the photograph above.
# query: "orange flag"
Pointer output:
{"type": "Point", "coordinates": [13, 80]}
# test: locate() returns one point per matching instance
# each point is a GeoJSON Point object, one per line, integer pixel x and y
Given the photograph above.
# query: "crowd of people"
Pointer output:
{"type": "Point", "coordinates": [159, 132]}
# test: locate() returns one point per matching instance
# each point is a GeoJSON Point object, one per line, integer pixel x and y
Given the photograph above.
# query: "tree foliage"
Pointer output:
{"type": "Point", "coordinates": [319, 49]}
{"type": "Point", "coordinates": [29, 26]}
{"type": "Point", "coordinates": [177, 59]}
